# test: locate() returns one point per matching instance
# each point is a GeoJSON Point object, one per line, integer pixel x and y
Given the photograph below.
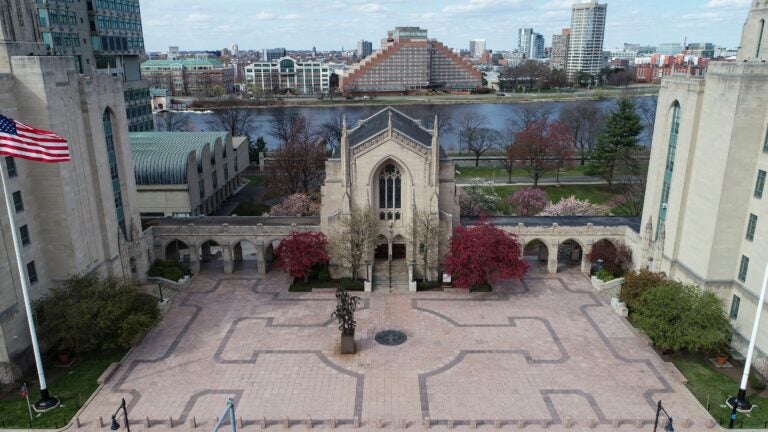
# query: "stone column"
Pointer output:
{"type": "Point", "coordinates": [194, 258]}
{"type": "Point", "coordinates": [552, 257]}
{"type": "Point", "coordinates": [586, 264]}
{"type": "Point", "coordinates": [226, 251]}
{"type": "Point", "coordinates": [261, 263]}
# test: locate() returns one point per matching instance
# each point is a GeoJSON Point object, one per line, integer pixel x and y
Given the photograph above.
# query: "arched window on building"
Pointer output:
{"type": "Point", "coordinates": [390, 192]}
{"type": "Point", "coordinates": [113, 169]}
{"type": "Point", "coordinates": [669, 166]}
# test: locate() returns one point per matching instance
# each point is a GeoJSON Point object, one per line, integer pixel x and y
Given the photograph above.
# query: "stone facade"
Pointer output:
{"type": "Point", "coordinates": [423, 180]}
{"type": "Point", "coordinates": [69, 209]}
{"type": "Point", "coordinates": [704, 205]}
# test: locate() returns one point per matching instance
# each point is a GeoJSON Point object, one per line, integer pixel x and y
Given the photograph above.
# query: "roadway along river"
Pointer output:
{"type": "Point", "coordinates": [498, 115]}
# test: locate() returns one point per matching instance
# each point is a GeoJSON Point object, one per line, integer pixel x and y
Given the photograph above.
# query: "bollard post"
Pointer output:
{"type": "Point", "coordinates": [170, 422]}
{"type": "Point", "coordinates": [520, 422]}
{"type": "Point", "coordinates": [333, 422]}
{"type": "Point", "coordinates": [473, 424]}
{"type": "Point", "coordinates": [450, 423]}
{"type": "Point", "coordinates": [593, 423]}
{"type": "Point", "coordinates": [427, 423]}
{"type": "Point", "coordinates": [263, 422]}
{"type": "Point", "coordinates": [101, 422]}
{"type": "Point", "coordinates": [77, 422]}
{"type": "Point", "coordinates": [544, 423]}
{"type": "Point", "coordinates": [192, 423]}
{"type": "Point", "coordinates": [286, 423]}
{"type": "Point", "coordinates": [568, 422]}
{"type": "Point", "coordinates": [355, 422]}
{"type": "Point", "coordinates": [379, 423]}
{"type": "Point", "coordinates": [309, 422]}
{"type": "Point", "coordinates": [403, 423]}
{"type": "Point", "coordinates": [615, 423]}
{"type": "Point", "coordinates": [239, 422]}
{"type": "Point", "coordinates": [146, 422]}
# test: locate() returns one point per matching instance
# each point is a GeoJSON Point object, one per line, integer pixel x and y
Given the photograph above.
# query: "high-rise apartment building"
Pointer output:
{"type": "Point", "coordinates": [364, 49]}
{"type": "Point", "coordinates": [530, 43]}
{"type": "Point", "coordinates": [585, 44]}
{"type": "Point", "coordinates": [537, 47]}
{"type": "Point", "coordinates": [559, 53]}
{"type": "Point", "coordinates": [476, 47]}
{"type": "Point", "coordinates": [99, 34]}
{"type": "Point", "coordinates": [235, 50]}
{"type": "Point", "coordinates": [706, 204]}
{"type": "Point", "coordinates": [409, 61]}
{"type": "Point", "coordinates": [73, 217]}
{"type": "Point", "coordinates": [272, 54]}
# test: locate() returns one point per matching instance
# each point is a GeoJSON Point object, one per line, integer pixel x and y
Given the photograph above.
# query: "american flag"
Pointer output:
{"type": "Point", "coordinates": [22, 141]}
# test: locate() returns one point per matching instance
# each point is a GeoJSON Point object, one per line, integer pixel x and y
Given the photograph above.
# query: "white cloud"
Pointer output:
{"type": "Point", "coordinates": [711, 4]}
{"type": "Point", "coordinates": [475, 6]}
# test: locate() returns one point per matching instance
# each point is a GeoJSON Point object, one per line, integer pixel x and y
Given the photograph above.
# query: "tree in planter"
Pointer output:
{"type": "Point", "coordinates": [91, 313]}
{"type": "Point", "coordinates": [677, 316]}
{"type": "Point", "coordinates": [425, 235]}
{"type": "Point", "coordinates": [528, 201]}
{"type": "Point", "coordinates": [346, 305]}
{"type": "Point", "coordinates": [483, 254]}
{"type": "Point", "coordinates": [300, 253]}
{"type": "Point", "coordinates": [355, 239]}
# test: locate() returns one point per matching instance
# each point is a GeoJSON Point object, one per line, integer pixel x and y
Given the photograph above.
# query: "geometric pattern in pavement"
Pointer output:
{"type": "Point", "coordinates": [544, 348]}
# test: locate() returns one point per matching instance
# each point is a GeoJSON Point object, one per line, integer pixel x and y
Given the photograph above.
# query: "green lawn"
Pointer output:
{"type": "Point", "coordinates": [72, 386]}
{"type": "Point", "coordinates": [706, 383]}
{"type": "Point", "coordinates": [500, 174]}
{"type": "Point", "coordinates": [251, 209]}
{"type": "Point", "coordinates": [597, 194]}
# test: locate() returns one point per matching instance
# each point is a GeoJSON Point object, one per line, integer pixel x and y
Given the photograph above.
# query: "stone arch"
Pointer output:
{"type": "Point", "coordinates": [570, 253]}
{"type": "Point", "coordinates": [245, 255]}
{"type": "Point", "coordinates": [211, 250]}
{"type": "Point", "coordinates": [536, 253]}
{"type": "Point", "coordinates": [399, 247]}
{"type": "Point", "coordinates": [605, 247]}
{"type": "Point", "coordinates": [381, 250]}
{"type": "Point", "coordinates": [407, 184]}
{"type": "Point", "coordinates": [176, 250]}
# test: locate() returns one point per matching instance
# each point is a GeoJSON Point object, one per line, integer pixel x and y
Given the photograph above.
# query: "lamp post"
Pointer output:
{"type": "Point", "coordinates": [740, 403]}
{"type": "Point", "coordinates": [115, 425]}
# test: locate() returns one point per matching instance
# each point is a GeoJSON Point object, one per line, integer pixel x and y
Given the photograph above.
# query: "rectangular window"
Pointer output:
{"type": "Point", "coordinates": [31, 272]}
{"type": "Point", "coordinates": [18, 202]}
{"type": "Point", "coordinates": [735, 306]}
{"type": "Point", "coordinates": [751, 225]}
{"type": "Point", "coordinates": [10, 166]}
{"type": "Point", "coordinates": [24, 234]}
{"type": "Point", "coordinates": [760, 184]}
{"type": "Point", "coordinates": [765, 143]}
{"type": "Point", "coordinates": [743, 268]}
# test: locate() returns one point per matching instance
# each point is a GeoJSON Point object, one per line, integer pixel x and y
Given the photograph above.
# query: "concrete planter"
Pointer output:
{"type": "Point", "coordinates": [348, 343]}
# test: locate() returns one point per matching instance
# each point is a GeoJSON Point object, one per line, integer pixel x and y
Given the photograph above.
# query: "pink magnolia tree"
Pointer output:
{"type": "Point", "coordinates": [298, 204]}
{"type": "Point", "coordinates": [528, 202]}
{"type": "Point", "coordinates": [572, 206]}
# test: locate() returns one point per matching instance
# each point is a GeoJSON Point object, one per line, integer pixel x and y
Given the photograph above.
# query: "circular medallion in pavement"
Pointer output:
{"type": "Point", "coordinates": [390, 337]}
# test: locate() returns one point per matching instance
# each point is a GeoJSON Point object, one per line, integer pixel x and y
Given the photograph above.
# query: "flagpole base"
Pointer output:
{"type": "Point", "coordinates": [46, 402]}
{"type": "Point", "coordinates": [740, 402]}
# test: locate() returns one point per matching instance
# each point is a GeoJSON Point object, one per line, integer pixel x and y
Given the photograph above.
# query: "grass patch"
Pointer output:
{"type": "Point", "coordinates": [597, 193]}
{"type": "Point", "coordinates": [500, 174]}
{"type": "Point", "coordinates": [347, 284]}
{"type": "Point", "coordinates": [72, 386]}
{"type": "Point", "coordinates": [251, 209]}
{"type": "Point", "coordinates": [257, 180]}
{"type": "Point", "coordinates": [706, 383]}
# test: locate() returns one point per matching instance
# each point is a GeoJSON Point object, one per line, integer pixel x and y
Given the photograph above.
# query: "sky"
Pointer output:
{"type": "Point", "coordinates": [331, 24]}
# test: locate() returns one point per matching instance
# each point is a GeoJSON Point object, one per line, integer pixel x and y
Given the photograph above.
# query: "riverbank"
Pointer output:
{"type": "Point", "coordinates": [446, 99]}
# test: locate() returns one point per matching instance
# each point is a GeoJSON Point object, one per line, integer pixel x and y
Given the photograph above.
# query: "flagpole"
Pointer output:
{"type": "Point", "coordinates": [46, 402]}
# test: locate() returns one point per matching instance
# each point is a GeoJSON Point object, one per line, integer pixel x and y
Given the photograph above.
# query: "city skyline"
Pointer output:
{"type": "Point", "coordinates": [454, 22]}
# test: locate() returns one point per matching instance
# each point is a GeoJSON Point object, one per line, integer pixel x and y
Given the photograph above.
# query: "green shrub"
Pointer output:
{"type": "Point", "coordinates": [636, 283]}
{"type": "Point", "coordinates": [755, 381]}
{"type": "Point", "coordinates": [92, 313]}
{"type": "Point", "coordinates": [422, 285]}
{"type": "Point", "coordinates": [351, 285]}
{"type": "Point", "coordinates": [605, 276]}
{"type": "Point", "coordinates": [167, 269]}
{"type": "Point", "coordinates": [677, 316]}
{"type": "Point", "coordinates": [323, 274]}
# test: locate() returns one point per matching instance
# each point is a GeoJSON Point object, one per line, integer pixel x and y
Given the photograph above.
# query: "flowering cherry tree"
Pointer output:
{"type": "Point", "coordinates": [528, 202]}
{"type": "Point", "coordinates": [478, 199]}
{"type": "Point", "coordinates": [298, 204]}
{"type": "Point", "coordinates": [572, 206]}
{"type": "Point", "coordinates": [300, 252]}
{"type": "Point", "coordinates": [483, 254]}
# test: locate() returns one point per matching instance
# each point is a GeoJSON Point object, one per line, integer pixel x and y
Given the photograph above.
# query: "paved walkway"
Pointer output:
{"type": "Point", "coordinates": [541, 351]}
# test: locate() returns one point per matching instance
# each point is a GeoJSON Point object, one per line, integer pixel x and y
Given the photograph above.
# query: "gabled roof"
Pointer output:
{"type": "Point", "coordinates": [379, 122]}
{"type": "Point", "coordinates": [161, 157]}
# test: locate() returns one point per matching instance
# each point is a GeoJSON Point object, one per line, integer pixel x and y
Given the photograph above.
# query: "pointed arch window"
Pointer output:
{"type": "Point", "coordinates": [390, 192]}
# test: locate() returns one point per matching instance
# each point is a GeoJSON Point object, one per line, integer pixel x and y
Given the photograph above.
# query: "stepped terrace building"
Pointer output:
{"type": "Point", "coordinates": [181, 174]}
{"type": "Point", "coordinates": [410, 62]}
{"type": "Point", "coordinates": [188, 77]}
{"type": "Point", "coordinates": [289, 75]}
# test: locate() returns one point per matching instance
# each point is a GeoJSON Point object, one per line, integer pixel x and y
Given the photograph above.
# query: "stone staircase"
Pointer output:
{"type": "Point", "coordinates": [390, 277]}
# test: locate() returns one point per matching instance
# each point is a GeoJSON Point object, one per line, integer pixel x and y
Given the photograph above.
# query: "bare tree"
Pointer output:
{"type": "Point", "coordinates": [425, 235]}
{"type": "Point", "coordinates": [508, 160]}
{"type": "Point", "coordinates": [298, 160]}
{"type": "Point", "coordinates": [283, 124]}
{"type": "Point", "coordinates": [585, 122]}
{"type": "Point", "coordinates": [330, 130]}
{"type": "Point", "coordinates": [485, 139]}
{"type": "Point", "coordinates": [172, 121]}
{"type": "Point", "coordinates": [527, 114]}
{"type": "Point", "coordinates": [470, 125]}
{"type": "Point", "coordinates": [630, 203]}
{"type": "Point", "coordinates": [354, 239]}
{"type": "Point", "coordinates": [238, 122]}
{"type": "Point", "coordinates": [535, 72]}
{"type": "Point", "coordinates": [647, 111]}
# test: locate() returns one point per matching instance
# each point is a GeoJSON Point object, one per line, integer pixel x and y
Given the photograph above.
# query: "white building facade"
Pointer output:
{"type": "Point", "coordinates": [585, 43]}
{"type": "Point", "coordinates": [289, 74]}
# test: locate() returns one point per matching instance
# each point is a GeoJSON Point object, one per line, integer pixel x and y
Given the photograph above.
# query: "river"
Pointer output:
{"type": "Point", "coordinates": [497, 115]}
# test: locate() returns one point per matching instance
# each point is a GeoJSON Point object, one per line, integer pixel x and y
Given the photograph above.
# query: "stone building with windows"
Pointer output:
{"type": "Point", "coordinates": [184, 174]}
{"type": "Point", "coordinates": [74, 217]}
{"type": "Point", "coordinates": [189, 76]}
{"type": "Point", "coordinates": [705, 218]}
